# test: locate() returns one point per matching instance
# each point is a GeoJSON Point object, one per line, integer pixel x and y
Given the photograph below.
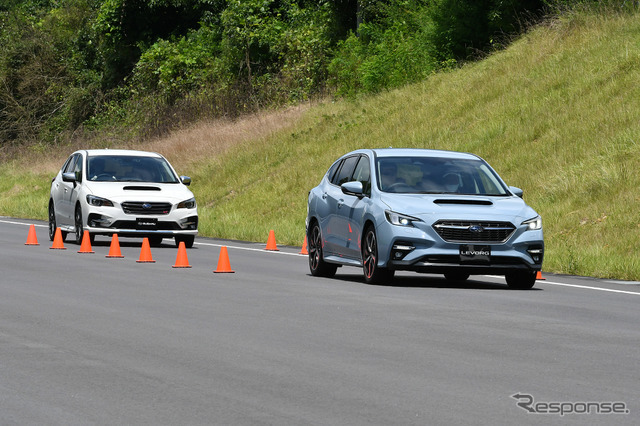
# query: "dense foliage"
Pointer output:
{"type": "Point", "coordinates": [72, 66]}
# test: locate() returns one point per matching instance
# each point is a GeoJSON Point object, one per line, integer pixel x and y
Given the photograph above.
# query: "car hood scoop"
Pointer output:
{"type": "Point", "coordinates": [140, 188]}
{"type": "Point", "coordinates": [466, 201]}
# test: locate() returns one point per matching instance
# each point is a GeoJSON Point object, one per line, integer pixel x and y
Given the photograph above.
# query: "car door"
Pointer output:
{"type": "Point", "coordinates": [351, 211]}
{"type": "Point", "coordinates": [336, 226]}
{"type": "Point", "coordinates": [75, 187]}
{"type": "Point", "coordinates": [63, 191]}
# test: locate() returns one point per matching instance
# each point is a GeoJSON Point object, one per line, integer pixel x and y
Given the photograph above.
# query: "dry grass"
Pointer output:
{"type": "Point", "coordinates": [212, 139]}
{"type": "Point", "coordinates": [556, 114]}
{"type": "Point", "coordinates": [183, 148]}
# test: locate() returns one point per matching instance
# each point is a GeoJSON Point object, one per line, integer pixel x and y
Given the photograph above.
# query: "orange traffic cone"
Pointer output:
{"type": "Point", "coordinates": [181, 259]}
{"type": "Point", "coordinates": [114, 249]}
{"type": "Point", "coordinates": [223, 262]}
{"type": "Point", "coordinates": [57, 241]}
{"type": "Point", "coordinates": [271, 242]}
{"type": "Point", "coordinates": [145, 252]}
{"type": "Point", "coordinates": [32, 239]}
{"type": "Point", "coordinates": [539, 276]}
{"type": "Point", "coordinates": [85, 247]}
{"type": "Point", "coordinates": [304, 246]}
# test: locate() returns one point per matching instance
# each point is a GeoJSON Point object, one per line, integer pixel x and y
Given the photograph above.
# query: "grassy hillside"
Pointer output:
{"type": "Point", "coordinates": [556, 114]}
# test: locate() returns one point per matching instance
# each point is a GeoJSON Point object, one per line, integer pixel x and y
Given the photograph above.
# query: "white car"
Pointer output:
{"type": "Point", "coordinates": [129, 193]}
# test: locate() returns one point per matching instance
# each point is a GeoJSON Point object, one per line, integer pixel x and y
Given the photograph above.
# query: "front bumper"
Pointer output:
{"type": "Point", "coordinates": [106, 221]}
{"type": "Point", "coordinates": [421, 249]}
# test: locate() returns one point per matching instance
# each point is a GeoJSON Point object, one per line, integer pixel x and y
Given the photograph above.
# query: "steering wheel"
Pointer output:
{"type": "Point", "coordinates": [103, 177]}
{"type": "Point", "coordinates": [393, 187]}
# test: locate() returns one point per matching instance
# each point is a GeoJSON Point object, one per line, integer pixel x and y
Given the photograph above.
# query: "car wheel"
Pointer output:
{"type": "Point", "coordinates": [155, 241]}
{"type": "Point", "coordinates": [187, 239]}
{"type": "Point", "coordinates": [373, 274]}
{"type": "Point", "coordinates": [456, 276]}
{"type": "Point", "coordinates": [78, 223]}
{"type": "Point", "coordinates": [52, 223]}
{"type": "Point", "coordinates": [521, 280]}
{"type": "Point", "coordinates": [317, 265]}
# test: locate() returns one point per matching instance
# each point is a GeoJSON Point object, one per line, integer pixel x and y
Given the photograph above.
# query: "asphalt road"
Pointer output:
{"type": "Point", "coordinates": [89, 340]}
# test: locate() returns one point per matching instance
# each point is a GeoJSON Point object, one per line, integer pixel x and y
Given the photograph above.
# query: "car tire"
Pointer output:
{"type": "Point", "coordinates": [155, 241]}
{"type": "Point", "coordinates": [52, 223]}
{"type": "Point", "coordinates": [456, 276]}
{"type": "Point", "coordinates": [373, 274]}
{"type": "Point", "coordinates": [317, 266]}
{"type": "Point", "coordinates": [78, 225]}
{"type": "Point", "coordinates": [187, 239]}
{"type": "Point", "coordinates": [521, 280]}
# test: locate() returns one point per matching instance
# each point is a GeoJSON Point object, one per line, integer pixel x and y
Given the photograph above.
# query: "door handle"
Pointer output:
{"type": "Point", "coordinates": [324, 196]}
{"type": "Point", "coordinates": [340, 203]}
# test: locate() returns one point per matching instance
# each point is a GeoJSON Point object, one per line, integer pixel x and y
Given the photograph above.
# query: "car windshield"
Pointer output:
{"type": "Point", "coordinates": [434, 175]}
{"type": "Point", "coordinates": [129, 168]}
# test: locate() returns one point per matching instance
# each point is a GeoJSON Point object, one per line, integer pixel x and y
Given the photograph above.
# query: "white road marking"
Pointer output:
{"type": "Point", "coordinates": [593, 288]}
{"type": "Point", "coordinates": [298, 254]}
{"type": "Point", "coordinates": [249, 249]}
{"type": "Point", "coordinates": [22, 223]}
{"type": "Point", "coordinates": [580, 286]}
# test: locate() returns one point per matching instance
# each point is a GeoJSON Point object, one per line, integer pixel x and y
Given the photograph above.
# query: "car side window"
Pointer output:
{"type": "Point", "coordinates": [362, 174]}
{"type": "Point", "coordinates": [70, 164]}
{"type": "Point", "coordinates": [346, 171]}
{"type": "Point", "coordinates": [77, 168]}
{"type": "Point", "coordinates": [331, 174]}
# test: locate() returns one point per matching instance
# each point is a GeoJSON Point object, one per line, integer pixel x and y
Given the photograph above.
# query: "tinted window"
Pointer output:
{"type": "Point", "coordinates": [346, 171]}
{"type": "Point", "coordinates": [362, 174]}
{"type": "Point", "coordinates": [77, 168]}
{"type": "Point", "coordinates": [331, 174]}
{"type": "Point", "coordinates": [70, 164]}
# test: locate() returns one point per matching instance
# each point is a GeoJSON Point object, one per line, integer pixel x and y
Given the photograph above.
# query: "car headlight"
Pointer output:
{"type": "Point", "coordinates": [92, 200]}
{"type": "Point", "coordinates": [533, 224]}
{"type": "Point", "coordinates": [188, 204]}
{"type": "Point", "coordinates": [400, 219]}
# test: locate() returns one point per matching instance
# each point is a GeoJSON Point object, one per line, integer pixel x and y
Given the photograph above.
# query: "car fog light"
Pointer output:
{"type": "Point", "coordinates": [536, 254]}
{"type": "Point", "coordinates": [400, 250]}
{"type": "Point", "coordinates": [190, 223]}
{"type": "Point", "coordinates": [98, 221]}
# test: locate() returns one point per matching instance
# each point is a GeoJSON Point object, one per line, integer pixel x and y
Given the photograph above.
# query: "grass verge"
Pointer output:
{"type": "Point", "coordinates": [555, 114]}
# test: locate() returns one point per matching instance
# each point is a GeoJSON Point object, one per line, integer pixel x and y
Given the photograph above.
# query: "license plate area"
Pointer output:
{"type": "Point", "coordinates": [146, 223]}
{"type": "Point", "coordinates": [475, 254]}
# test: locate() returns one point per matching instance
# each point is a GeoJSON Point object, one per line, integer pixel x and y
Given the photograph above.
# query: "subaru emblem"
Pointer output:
{"type": "Point", "coordinates": [146, 206]}
{"type": "Point", "coordinates": [476, 229]}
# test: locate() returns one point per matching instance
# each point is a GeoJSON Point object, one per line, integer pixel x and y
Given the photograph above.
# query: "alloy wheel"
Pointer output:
{"type": "Point", "coordinates": [78, 222]}
{"type": "Point", "coordinates": [370, 254]}
{"type": "Point", "coordinates": [317, 265]}
{"type": "Point", "coordinates": [52, 222]}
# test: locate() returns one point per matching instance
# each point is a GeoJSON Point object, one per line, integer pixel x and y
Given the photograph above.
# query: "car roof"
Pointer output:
{"type": "Point", "coordinates": [415, 152]}
{"type": "Point", "coordinates": [129, 152]}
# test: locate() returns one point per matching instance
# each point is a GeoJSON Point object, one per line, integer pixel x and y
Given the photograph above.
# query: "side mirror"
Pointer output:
{"type": "Point", "coordinates": [185, 180]}
{"type": "Point", "coordinates": [516, 191]}
{"type": "Point", "coordinates": [69, 177]}
{"type": "Point", "coordinates": [353, 188]}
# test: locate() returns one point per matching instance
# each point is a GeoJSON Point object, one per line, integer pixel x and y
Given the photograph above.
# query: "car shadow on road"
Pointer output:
{"type": "Point", "coordinates": [134, 242]}
{"type": "Point", "coordinates": [433, 281]}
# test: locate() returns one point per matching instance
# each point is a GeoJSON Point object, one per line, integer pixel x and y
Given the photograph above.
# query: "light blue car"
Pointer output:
{"type": "Point", "coordinates": [421, 210]}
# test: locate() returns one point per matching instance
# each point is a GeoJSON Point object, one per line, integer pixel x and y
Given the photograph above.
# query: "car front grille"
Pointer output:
{"type": "Point", "coordinates": [474, 232]}
{"type": "Point", "coordinates": [142, 208]}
